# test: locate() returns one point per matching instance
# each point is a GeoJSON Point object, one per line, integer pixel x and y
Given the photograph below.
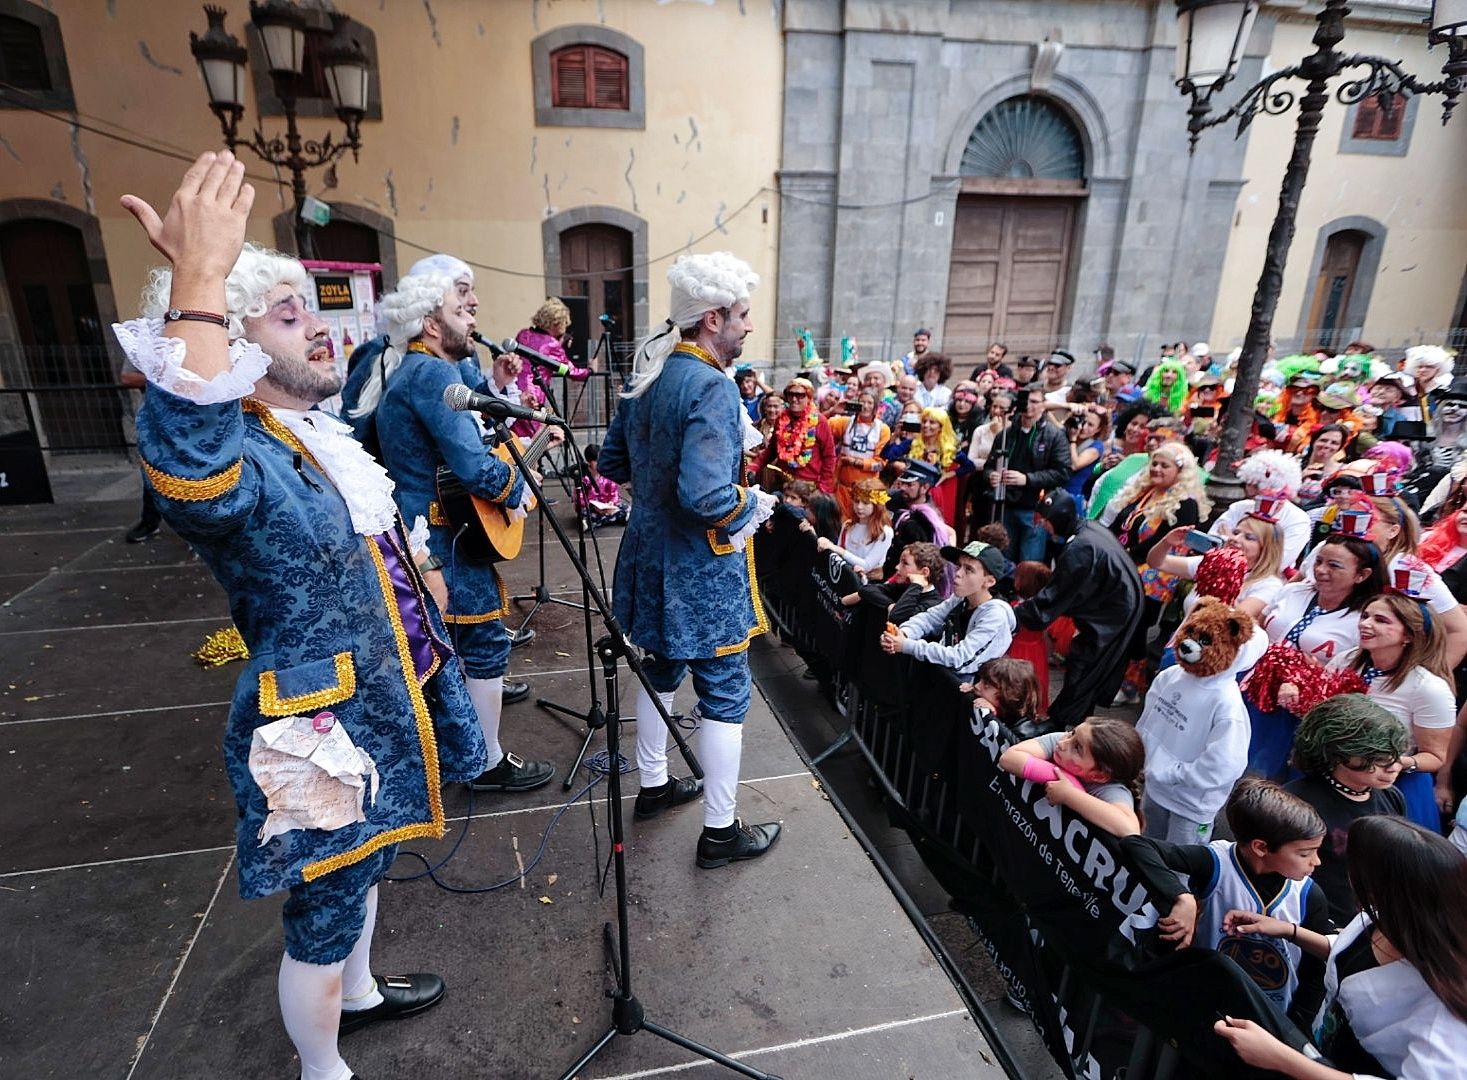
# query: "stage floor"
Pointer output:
{"type": "Point", "coordinates": [130, 954]}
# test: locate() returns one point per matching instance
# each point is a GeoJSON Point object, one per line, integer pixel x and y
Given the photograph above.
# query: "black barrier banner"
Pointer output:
{"type": "Point", "coordinates": [831, 578]}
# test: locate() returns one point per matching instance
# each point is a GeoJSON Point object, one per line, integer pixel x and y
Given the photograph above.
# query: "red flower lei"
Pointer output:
{"type": "Point", "coordinates": [794, 445]}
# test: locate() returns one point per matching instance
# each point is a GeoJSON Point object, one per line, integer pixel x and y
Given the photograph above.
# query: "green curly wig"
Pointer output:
{"type": "Point", "coordinates": [1344, 727]}
{"type": "Point", "coordinates": [1298, 364]}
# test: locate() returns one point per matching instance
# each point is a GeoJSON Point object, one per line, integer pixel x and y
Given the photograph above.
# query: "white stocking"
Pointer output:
{"type": "Point", "coordinates": [310, 1005]}
{"type": "Point", "coordinates": [720, 746]}
{"type": "Point", "coordinates": [652, 736]}
{"type": "Point", "coordinates": [358, 987]}
{"type": "Point", "coordinates": [488, 698]}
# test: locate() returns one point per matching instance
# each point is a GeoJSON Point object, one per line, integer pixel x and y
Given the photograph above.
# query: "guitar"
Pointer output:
{"type": "Point", "coordinates": [486, 532]}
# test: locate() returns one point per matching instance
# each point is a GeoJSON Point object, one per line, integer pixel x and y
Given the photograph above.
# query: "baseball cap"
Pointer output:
{"type": "Point", "coordinates": [990, 556]}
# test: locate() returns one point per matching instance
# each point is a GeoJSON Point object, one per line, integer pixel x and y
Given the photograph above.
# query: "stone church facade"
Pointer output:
{"type": "Point", "coordinates": [997, 170]}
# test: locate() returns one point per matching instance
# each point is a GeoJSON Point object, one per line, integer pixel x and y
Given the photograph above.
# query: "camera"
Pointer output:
{"type": "Point", "coordinates": [852, 408]}
{"type": "Point", "coordinates": [1021, 401]}
{"type": "Point", "coordinates": [912, 425]}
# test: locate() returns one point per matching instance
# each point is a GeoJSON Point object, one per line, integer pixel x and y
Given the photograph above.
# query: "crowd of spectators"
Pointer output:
{"type": "Point", "coordinates": [1018, 518]}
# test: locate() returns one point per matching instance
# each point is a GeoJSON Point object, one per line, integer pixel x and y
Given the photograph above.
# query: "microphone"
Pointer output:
{"type": "Point", "coordinates": [460, 398]}
{"type": "Point", "coordinates": [539, 359]}
{"type": "Point", "coordinates": [494, 350]}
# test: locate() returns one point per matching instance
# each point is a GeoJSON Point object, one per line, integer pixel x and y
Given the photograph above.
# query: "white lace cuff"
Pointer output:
{"type": "Point", "coordinates": [418, 537]}
{"type": "Point", "coordinates": [161, 358]}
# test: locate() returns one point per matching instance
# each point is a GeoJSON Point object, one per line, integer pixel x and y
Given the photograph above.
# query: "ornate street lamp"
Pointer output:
{"type": "Point", "coordinates": [282, 30]}
{"type": "Point", "coordinates": [1213, 35]}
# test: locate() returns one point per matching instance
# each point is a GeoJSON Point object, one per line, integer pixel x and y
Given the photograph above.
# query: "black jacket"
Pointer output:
{"type": "Point", "coordinates": [1042, 454]}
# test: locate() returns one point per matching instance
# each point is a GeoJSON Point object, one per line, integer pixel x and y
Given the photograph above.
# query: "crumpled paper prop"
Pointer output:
{"type": "Point", "coordinates": [313, 775]}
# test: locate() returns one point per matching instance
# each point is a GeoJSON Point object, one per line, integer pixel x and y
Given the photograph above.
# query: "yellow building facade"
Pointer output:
{"type": "Point", "coordinates": [1380, 251]}
{"type": "Point", "coordinates": [474, 147]}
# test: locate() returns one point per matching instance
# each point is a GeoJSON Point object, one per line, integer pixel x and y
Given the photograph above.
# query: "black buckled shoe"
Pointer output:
{"type": "Point", "coordinates": [143, 530]}
{"type": "Point", "coordinates": [514, 774]}
{"type": "Point", "coordinates": [523, 636]}
{"type": "Point", "coordinates": [402, 996]}
{"type": "Point", "coordinates": [675, 792]}
{"type": "Point", "coordinates": [515, 691]}
{"type": "Point", "coordinates": [719, 847]}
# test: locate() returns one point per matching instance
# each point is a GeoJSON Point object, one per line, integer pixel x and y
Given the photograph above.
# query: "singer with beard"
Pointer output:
{"type": "Point", "coordinates": [429, 327]}
{"type": "Point", "coordinates": [684, 573]}
{"type": "Point", "coordinates": [297, 523]}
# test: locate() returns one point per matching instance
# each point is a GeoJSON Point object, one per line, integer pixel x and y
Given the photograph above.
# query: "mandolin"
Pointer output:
{"type": "Point", "coordinates": [486, 532]}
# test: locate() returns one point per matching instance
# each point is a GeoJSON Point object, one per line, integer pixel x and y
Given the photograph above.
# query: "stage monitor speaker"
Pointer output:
{"type": "Point", "coordinates": [580, 328]}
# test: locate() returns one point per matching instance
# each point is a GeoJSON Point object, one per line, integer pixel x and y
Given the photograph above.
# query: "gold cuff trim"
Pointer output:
{"type": "Point", "coordinates": [435, 514]}
{"type": "Point", "coordinates": [504, 493]}
{"type": "Point", "coordinates": [488, 616]}
{"type": "Point", "coordinates": [272, 704]}
{"type": "Point", "coordinates": [719, 549]}
{"type": "Point", "coordinates": [736, 511]}
{"type": "Point", "coordinates": [427, 742]}
{"type": "Point", "coordinates": [182, 489]}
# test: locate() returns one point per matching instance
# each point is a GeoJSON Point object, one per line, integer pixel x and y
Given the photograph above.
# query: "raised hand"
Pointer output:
{"type": "Point", "coordinates": [204, 228]}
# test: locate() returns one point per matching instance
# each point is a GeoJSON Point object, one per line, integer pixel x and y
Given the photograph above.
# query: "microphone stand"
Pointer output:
{"type": "Point", "coordinates": [540, 593]}
{"type": "Point", "coordinates": [627, 1013]}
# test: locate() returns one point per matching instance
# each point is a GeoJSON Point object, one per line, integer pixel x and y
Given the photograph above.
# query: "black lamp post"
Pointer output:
{"type": "Point", "coordinates": [1212, 36]}
{"type": "Point", "coordinates": [282, 29]}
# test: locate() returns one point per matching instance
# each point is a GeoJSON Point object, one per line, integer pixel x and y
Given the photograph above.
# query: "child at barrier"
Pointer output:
{"type": "Point", "coordinates": [1004, 690]}
{"type": "Point", "coordinates": [1095, 770]}
{"type": "Point", "coordinates": [1395, 1001]}
{"type": "Point", "coordinates": [1266, 869]}
{"type": "Point", "coordinates": [972, 626]}
{"type": "Point", "coordinates": [914, 588]}
{"type": "Point", "coordinates": [1195, 726]}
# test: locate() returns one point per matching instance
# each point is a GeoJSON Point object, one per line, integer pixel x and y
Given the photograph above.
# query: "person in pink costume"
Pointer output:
{"type": "Point", "coordinates": [547, 328]}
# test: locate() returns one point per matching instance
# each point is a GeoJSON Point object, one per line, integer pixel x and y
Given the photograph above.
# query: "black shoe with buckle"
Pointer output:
{"type": "Point", "coordinates": [515, 691]}
{"type": "Point", "coordinates": [675, 792]}
{"type": "Point", "coordinates": [733, 843]}
{"type": "Point", "coordinates": [523, 636]}
{"type": "Point", "coordinates": [514, 774]}
{"type": "Point", "coordinates": [402, 996]}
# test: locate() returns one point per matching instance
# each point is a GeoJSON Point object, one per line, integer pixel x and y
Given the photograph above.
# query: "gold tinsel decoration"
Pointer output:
{"type": "Point", "coordinates": [220, 647]}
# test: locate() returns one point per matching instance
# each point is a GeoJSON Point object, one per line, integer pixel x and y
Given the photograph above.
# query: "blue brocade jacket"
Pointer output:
{"type": "Point", "coordinates": [419, 433]}
{"type": "Point", "coordinates": [682, 589]}
{"type": "Point", "coordinates": [316, 605]}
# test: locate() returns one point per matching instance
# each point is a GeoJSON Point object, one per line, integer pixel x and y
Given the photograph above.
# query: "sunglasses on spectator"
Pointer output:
{"type": "Point", "coordinates": [1380, 761]}
{"type": "Point", "coordinates": [797, 394]}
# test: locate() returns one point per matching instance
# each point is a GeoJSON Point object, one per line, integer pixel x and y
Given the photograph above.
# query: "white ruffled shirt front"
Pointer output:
{"type": "Point", "coordinates": [362, 483]}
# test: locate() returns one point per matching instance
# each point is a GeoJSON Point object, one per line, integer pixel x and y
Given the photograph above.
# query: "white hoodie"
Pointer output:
{"type": "Point", "coordinates": [1196, 735]}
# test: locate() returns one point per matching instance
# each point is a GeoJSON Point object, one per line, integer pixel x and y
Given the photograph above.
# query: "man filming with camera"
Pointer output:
{"type": "Point", "coordinates": [1030, 457]}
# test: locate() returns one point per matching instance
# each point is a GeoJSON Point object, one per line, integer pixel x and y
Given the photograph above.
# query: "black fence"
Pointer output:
{"type": "Point", "coordinates": [1065, 921]}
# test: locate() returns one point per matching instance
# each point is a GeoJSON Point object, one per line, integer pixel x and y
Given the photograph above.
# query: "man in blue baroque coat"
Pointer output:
{"type": "Point", "coordinates": [684, 587]}
{"type": "Point", "coordinates": [428, 323]}
{"type": "Point", "coordinates": [298, 524]}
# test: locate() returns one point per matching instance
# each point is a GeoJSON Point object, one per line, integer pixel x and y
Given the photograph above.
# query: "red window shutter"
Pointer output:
{"type": "Point", "coordinates": [1372, 122]}
{"type": "Point", "coordinates": [610, 71]}
{"type": "Point", "coordinates": [569, 81]}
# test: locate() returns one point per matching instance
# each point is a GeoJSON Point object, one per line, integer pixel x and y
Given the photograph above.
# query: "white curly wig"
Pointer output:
{"type": "Point", "coordinates": [255, 273]}
{"type": "Point", "coordinates": [401, 313]}
{"type": "Point", "coordinates": [700, 284]}
{"type": "Point", "coordinates": [450, 265]}
{"type": "Point", "coordinates": [1272, 470]}
{"type": "Point", "coordinates": [1417, 355]}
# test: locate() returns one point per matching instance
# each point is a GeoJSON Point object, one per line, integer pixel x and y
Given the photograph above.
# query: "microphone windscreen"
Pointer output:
{"type": "Point", "coordinates": [457, 397]}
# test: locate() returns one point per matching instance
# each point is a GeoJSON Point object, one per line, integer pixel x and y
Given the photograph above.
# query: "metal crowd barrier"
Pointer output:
{"type": "Point", "coordinates": [924, 803]}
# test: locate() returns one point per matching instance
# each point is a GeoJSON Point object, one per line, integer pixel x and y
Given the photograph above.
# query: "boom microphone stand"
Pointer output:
{"type": "Point", "coordinates": [627, 1014]}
